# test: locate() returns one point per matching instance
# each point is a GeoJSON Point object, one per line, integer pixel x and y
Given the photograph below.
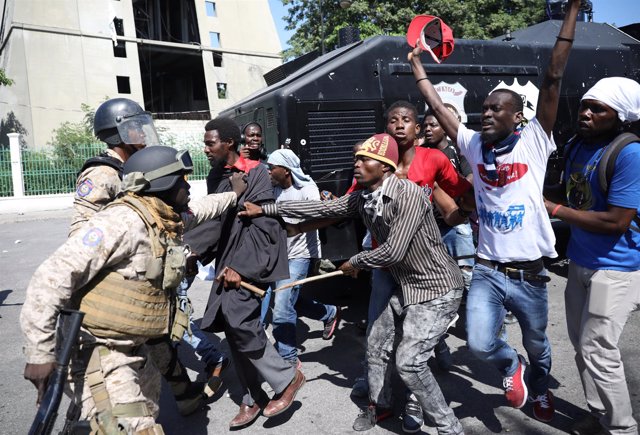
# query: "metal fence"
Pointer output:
{"type": "Point", "coordinates": [54, 170]}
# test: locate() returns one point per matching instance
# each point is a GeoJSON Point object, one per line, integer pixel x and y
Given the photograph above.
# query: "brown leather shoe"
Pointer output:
{"type": "Point", "coordinates": [282, 401]}
{"type": "Point", "coordinates": [246, 415]}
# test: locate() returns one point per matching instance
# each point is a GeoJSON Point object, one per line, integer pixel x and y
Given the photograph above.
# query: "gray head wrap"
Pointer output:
{"type": "Point", "coordinates": [289, 160]}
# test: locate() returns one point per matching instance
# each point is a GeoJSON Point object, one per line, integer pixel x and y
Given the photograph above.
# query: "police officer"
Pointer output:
{"type": "Point", "coordinates": [121, 268]}
{"type": "Point", "coordinates": [125, 128]}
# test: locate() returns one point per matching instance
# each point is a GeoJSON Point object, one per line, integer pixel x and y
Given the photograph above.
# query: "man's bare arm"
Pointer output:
{"type": "Point", "coordinates": [447, 120]}
{"type": "Point", "coordinates": [550, 90]}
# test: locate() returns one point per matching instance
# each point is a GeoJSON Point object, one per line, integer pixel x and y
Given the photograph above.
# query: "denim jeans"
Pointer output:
{"type": "Point", "coordinates": [419, 327]}
{"type": "Point", "coordinates": [491, 294]}
{"type": "Point", "coordinates": [382, 287]}
{"type": "Point", "coordinates": [287, 306]}
{"type": "Point", "coordinates": [459, 242]}
{"type": "Point", "coordinates": [198, 340]}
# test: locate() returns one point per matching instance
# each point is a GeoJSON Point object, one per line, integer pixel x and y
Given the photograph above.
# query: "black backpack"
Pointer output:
{"type": "Point", "coordinates": [607, 164]}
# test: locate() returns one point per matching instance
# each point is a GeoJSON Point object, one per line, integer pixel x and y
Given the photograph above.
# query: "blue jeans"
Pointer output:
{"type": "Point", "coordinates": [287, 306]}
{"type": "Point", "coordinates": [491, 294]}
{"type": "Point", "coordinates": [198, 340]}
{"type": "Point", "coordinates": [382, 288]}
{"type": "Point", "coordinates": [459, 242]}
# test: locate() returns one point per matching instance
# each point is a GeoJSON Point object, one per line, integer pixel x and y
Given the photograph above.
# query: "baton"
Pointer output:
{"type": "Point", "coordinates": [246, 285]}
{"type": "Point", "coordinates": [306, 280]}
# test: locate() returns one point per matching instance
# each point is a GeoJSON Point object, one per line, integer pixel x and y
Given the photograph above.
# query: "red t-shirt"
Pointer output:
{"type": "Point", "coordinates": [431, 166]}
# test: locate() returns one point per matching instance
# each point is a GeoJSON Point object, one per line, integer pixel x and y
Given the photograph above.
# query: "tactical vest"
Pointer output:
{"type": "Point", "coordinates": [120, 308]}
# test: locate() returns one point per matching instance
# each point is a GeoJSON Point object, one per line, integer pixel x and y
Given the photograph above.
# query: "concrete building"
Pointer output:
{"type": "Point", "coordinates": [183, 59]}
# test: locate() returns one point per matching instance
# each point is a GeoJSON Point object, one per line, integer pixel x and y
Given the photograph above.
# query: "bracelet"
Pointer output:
{"type": "Point", "coordinates": [555, 210]}
{"type": "Point", "coordinates": [560, 38]}
{"type": "Point", "coordinates": [423, 78]}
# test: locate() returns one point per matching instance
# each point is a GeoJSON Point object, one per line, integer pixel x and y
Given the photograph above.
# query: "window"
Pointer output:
{"type": "Point", "coordinates": [222, 90]}
{"type": "Point", "coordinates": [118, 23]}
{"type": "Point", "coordinates": [120, 48]}
{"type": "Point", "coordinates": [124, 87]}
{"type": "Point", "coordinates": [217, 59]}
{"type": "Point", "coordinates": [214, 37]}
{"type": "Point", "coordinates": [211, 9]}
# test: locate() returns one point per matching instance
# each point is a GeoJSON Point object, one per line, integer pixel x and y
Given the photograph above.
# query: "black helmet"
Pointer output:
{"type": "Point", "coordinates": [156, 169]}
{"type": "Point", "coordinates": [121, 120]}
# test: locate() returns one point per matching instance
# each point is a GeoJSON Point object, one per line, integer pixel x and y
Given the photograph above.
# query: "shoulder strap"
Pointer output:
{"type": "Point", "coordinates": [607, 166]}
{"type": "Point", "coordinates": [608, 161]}
{"type": "Point", "coordinates": [103, 159]}
{"type": "Point", "coordinates": [148, 219]}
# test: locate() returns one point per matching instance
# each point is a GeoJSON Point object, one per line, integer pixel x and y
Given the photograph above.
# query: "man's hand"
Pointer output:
{"type": "Point", "coordinates": [325, 195]}
{"type": "Point", "coordinates": [349, 270]}
{"type": "Point", "coordinates": [244, 152]}
{"type": "Point", "coordinates": [414, 55]}
{"type": "Point", "coordinates": [238, 183]}
{"type": "Point", "coordinates": [231, 278]}
{"type": "Point", "coordinates": [39, 375]}
{"type": "Point", "coordinates": [251, 210]}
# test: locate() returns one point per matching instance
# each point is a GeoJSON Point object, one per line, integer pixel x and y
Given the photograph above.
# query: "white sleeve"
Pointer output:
{"type": "Point", "coordinates": [464, 139]}
{"type": "Point", "coordinates": [539, 145]}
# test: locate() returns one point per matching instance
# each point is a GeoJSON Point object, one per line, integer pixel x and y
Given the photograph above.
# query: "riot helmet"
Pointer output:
{"type": "Point", "coordinates": [156, 169]}
{"type": "Point", "coordinates": [120, 120]}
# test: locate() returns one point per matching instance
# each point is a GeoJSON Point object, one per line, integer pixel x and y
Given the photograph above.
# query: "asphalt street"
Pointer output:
{"type": "Point", "coordinates": [323, 406]}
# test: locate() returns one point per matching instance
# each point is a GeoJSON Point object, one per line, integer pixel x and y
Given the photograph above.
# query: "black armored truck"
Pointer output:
{"type": "Point", "coordinates": [319, 106]}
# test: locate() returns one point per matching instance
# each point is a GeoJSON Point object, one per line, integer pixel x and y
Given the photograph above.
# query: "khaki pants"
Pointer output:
{"type": "Point", "coordinates": [598, 304]}
{"type": "Point", "coordinates": [129, 377]}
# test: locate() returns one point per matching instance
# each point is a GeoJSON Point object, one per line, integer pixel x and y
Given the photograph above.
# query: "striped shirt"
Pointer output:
{"type": "Point", "coordinates": [410, 243]}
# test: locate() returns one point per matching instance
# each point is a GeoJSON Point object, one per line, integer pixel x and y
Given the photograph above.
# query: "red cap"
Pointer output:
{"type": "Point", "coordinates": [381, 147]}
{"type": "Point", "coordinates": [434, 35]}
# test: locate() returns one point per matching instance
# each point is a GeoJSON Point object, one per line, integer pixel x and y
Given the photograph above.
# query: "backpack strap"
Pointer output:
{"type": "Point", "coordinates": [103, 159]}
{"type": "Point", "coordinates": [607, 165]}
{"type": "Point", "coordinates": [608, 161]}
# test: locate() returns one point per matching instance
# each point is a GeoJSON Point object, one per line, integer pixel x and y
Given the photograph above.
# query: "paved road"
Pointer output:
{"type": "Point", "coordinates": [324, 405]}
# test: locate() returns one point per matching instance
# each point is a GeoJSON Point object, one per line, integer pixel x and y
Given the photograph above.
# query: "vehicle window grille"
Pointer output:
{"type": "Point", "coordinates": [271, 118]}
{"type": "Point", "coordinates": [332, 135]}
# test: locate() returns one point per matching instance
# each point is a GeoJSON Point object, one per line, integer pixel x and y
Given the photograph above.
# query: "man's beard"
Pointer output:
{"type": "Point", "coordinates": [217, 164]}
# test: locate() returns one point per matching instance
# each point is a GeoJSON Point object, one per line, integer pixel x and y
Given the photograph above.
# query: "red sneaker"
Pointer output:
{"type": "Point", "coordinates": [515, 390]}
{"type": "Point", "coordinates": [543, 409]}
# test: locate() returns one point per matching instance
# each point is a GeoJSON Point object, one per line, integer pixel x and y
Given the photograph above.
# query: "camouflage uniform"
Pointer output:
{"type": "Point", "coordinates": [96, 187]}
{"type": "Point", "coordinates": [115, 239]}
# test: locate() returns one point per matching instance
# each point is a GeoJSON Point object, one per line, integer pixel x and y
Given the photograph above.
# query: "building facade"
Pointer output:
{"type": "Point", "coordinates": [181, 59]}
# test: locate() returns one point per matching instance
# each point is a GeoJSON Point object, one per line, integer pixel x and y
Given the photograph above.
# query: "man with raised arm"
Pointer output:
{"type": "Point", "coordinates": [509, 161]}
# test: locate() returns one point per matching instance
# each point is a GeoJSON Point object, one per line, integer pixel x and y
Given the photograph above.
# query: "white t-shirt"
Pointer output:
{"type": "Point", "coordinates": [513, 222]}
{"type": "Point", "coordinates": [305, 245]}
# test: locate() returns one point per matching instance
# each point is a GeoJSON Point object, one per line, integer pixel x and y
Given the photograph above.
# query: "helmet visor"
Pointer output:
{"type": "Point", "coordinates": [182, 164]}
{"type": "Point", "coordinates": [138, 130]}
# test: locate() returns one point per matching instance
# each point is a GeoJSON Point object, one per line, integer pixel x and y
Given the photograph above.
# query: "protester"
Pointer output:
{"type": "Point", "coordinates": [254, 252]}
{"type": "Point", "coordinates": [426, 167]}
{"type": "Point", "coordinates": [252, 147]}
{"type": "Point", "coordinates": [291, 184]}
{"type": "Point", "coordinates": [398, 214]}
{"type": "Point", "coordinates": [509, 162]}
{"type": "Point", "coordinates": [458, 239]}
{"type": "Point", "coordinates": [128, 252]}
{"type": "Point", "coordinates": [603, 285]}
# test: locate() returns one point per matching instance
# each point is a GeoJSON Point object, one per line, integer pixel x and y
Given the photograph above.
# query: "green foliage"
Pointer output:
{"type": "Point", "coordinates": [4, 80]}
{"type": "Point", "coordinates": [474, 19]}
